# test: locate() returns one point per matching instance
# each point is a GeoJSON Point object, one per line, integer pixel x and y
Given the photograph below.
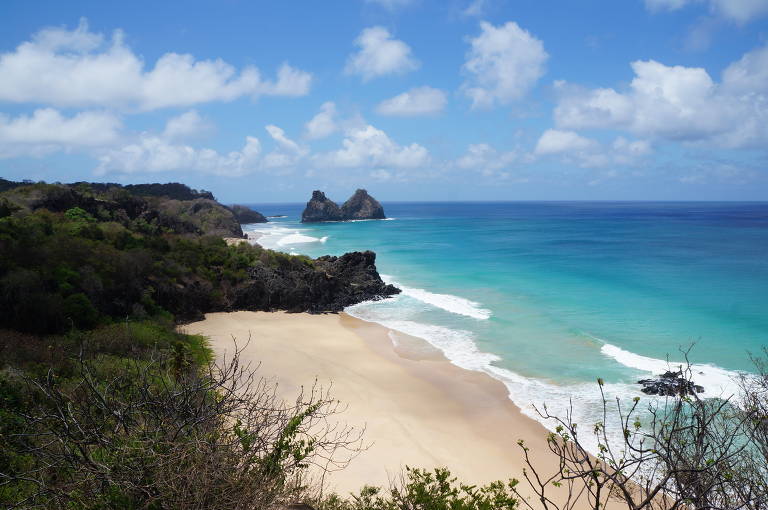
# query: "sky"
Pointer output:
{"type": "Point", "coordinates": [410, 99]}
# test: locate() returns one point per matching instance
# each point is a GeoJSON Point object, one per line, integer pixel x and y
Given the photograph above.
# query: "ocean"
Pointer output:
{"type": "Point", "coordinates": [549, 296]}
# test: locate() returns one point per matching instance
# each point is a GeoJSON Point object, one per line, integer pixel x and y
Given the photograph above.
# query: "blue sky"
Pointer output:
{"type": "Point", "coordinates": [411, 99]}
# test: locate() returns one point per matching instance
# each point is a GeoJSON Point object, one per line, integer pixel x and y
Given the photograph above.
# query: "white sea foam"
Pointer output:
{"type": "Point", "coordinates": [297, 238]}
{"type": "Point", "coordinates": [529, 394]}
{"type": "Point", "coordinates": [447, 302]}
{"type": "Point", "coordinates": [280, 238]}
{"type": "Point", "coordinates": [581, 402]}
{"type": "Point", "coordinates": [716, 381]}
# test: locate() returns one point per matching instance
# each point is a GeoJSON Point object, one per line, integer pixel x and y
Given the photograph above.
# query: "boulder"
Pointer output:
{"type": "Point", "coordinates": [362, 206]}
{"type": "Point", "coordinates": [321, 208]}
{"type": "Point", "coordinates": [245, 215]}
{"type": "Point", "coordinates": [670, 384]}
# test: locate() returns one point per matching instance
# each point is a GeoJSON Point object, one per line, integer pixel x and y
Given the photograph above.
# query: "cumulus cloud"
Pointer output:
{"type": "Point", "coordinates": [156, 154]}
{"type": "Point", "coordinates": [150, 153]}
{"type": "Point", "coordinates": [415, 102]}
{"type": "Point", "coordinates": [323, 124]}
{"type": "Point", "coordinates": [81, 68]}
{"type": "Point", "coordinates": [678, 103]}
{"type": "Point", "coordinates": [187, 125]}
{"type": "Point", "coordinates": [573, 148]}
{"type": "Point", "coordinates": [503, 64]}
{"type": "Point", "coordinates": [554, 141]}
{"type": "Point", "coordinates": [380, 54]}
{"type": "Point", "coordinates": [369, 147]}
{"type": "Point", "coordinates": [485, 159]}
{"type": "Point", "coordinates": [288, 153]}
{"type": "Point", "coordinates": [740, 11]}
{"type": "Point", "coordinates": [47, 130]}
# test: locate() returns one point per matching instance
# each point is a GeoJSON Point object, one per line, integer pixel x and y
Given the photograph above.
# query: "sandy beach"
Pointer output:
{"type": "Point", "coordinates": [418, 409]}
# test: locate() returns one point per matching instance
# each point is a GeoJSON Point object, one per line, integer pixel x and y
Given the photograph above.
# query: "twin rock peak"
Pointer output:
{"type": "Point", "coordinates": [360, 206]}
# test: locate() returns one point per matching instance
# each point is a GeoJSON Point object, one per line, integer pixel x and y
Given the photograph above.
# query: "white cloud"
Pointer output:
{"type": "Point", "coordinates": [187, 125]}
{"type": "Point", "coordinates": [287, 154]}
{"type": "Point", "coordinates": [391, 4]}
{"type": "Point", "coordinates": [323, 124]}
{"type": "Point", "coordinates": [79, 68]}
{"type": "Point", "coordinates": [487, 160]}
{"type": "Point", "coordinates": [379, 55]}
{"type": "Point", "coordinates": [678, 103]}
{"type": "Point", "coordinates": [503, 64]}
{"type": "Point", "coordinates": [368, 147]}
{"type": "Point", "coordinates": [47, 130]}
{"type": "Point", "coordinates": [573, 148]}
{"type": "Point", "coordinates": [740, 11]}
{"type": "Point", "coordinates": [149, 153]}
{"type": "Point", "coordinates": [156, 154]}
{"type": "Point", "coordinates": [475, 8]}
{"type": "Point", "coordinates": [748, 75]}
{"type": "Point", "coordinates": [554, 141]}
{"type": "Point", "coordinates": [417, 101]}
{"type": "Point", "coordinates": [665, 5]}
{"type": "Point", "coordinates": [283, 141]}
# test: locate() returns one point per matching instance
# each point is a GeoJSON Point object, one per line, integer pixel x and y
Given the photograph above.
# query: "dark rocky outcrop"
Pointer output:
{"type": "Point", "coordinates": [245, 215]}
{"type": "Point", "coordinates": [327, 284]}
{"type": "Point", "coordinates": [362, 206]}
{"type": "Point", "coordinates": [321, 208]}
{"type": "Point", "coordinates": [670, 384]}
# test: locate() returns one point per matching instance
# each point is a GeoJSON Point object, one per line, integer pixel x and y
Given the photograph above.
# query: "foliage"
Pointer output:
{"type": "Point", "coordinates": [428, 490]}
{"type": "Point", "coordinates": [160, 430]}
{"type": "Point", "coordinates": [98, 262]}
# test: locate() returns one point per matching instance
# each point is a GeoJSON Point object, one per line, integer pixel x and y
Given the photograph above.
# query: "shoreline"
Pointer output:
{"type": "Point", "coordinates": [419, 409]}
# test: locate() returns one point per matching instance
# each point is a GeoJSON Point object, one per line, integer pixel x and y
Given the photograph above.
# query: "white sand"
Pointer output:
{"type": "Point", "coordinates": [419, 409]}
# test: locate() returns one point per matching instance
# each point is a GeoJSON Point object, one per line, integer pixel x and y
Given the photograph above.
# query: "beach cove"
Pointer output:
{"type": "Point", "coordinates": [418, 409]}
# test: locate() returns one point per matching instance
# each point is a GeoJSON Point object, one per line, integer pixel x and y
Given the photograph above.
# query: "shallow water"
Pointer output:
{"type": "Point", "coordinates": [548, 296]}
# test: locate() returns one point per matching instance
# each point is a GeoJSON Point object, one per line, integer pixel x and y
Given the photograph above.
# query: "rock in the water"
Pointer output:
{"type": "Point", "coordinates": [362, 206]}
{"type": "Point", "coordinates": [247, 215]}
{"type": "Point", "coordinates": [670, 384]}
{"type": "Point", "coordinates": [321, 208]}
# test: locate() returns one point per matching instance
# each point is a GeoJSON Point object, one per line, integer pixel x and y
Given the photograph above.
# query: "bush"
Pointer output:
{"type": "Point", "coordinates": [428, 490]}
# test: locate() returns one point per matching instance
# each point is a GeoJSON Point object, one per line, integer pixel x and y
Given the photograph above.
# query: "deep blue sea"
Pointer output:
{"type": "Point", "coordinates": [549, 296]}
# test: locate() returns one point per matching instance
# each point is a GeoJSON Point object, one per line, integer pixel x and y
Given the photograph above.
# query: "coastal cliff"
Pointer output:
{"type": "Point", "coordinates": [360, 206]}
{"type": "Point", "coordinates": [87, 254]}
{"type": "Point", "coordinates": [246, 215]}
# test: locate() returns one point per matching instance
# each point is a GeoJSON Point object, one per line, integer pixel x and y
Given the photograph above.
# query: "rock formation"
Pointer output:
{"type": "Point", "coordinates": [362, 206]}
{"type": "Point", "coordinates": [321, 208]}
{"type": "Point", "coordinates": [327, 284]}
{"type": "Point", "coordinates": [670, 384]}
{"type": "Point", "coordinates": [247, 215]}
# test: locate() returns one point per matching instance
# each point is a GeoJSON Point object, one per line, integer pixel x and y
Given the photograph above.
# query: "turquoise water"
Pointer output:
{"type": "Point", "coordinates": [549, 296]}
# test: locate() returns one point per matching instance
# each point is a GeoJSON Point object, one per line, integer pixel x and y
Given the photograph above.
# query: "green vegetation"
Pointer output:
{"type": "Point", "coordinates": [428, 490]}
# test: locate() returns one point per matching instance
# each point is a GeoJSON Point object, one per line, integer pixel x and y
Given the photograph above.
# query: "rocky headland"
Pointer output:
{"type": "Point", "coordinates": [90, 253]}
{"type": "Point", "coordinates": [246, 215]}
{"type": "Point", "coordinates": [360, 206]}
